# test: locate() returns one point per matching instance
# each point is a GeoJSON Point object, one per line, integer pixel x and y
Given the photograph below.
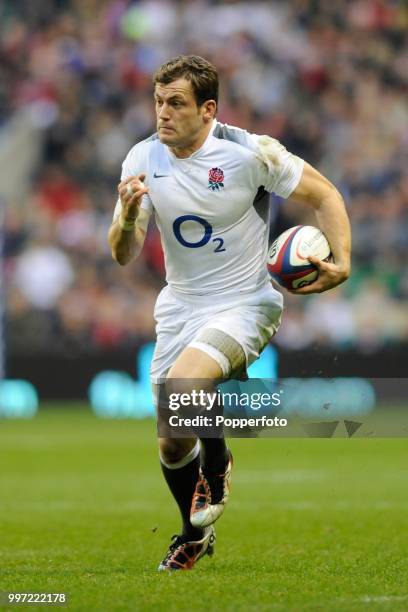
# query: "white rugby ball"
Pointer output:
{"type": "Point", "coordinates": [288, 262]}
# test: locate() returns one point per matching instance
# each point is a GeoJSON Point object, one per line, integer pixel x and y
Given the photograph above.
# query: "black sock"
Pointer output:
{"type": "Point", "coordinates": [214, 455]}
{"type": "Point", "coordinates": [182, 482]}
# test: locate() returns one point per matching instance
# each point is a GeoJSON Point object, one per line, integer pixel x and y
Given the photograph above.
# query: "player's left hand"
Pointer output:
{"type": "Point", "coordinates": [330, 275]}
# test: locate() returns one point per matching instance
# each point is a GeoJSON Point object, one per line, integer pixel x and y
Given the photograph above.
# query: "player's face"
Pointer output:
{"type": "Point", "coordinates": [180, 122]}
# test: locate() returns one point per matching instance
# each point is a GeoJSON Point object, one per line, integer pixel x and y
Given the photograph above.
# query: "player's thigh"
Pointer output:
{"type": "Point", "coordinates": [193, 370]}
{"type": "Point", "coordinates": [195, 363]}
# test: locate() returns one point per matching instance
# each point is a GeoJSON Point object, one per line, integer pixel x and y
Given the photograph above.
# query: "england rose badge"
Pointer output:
{"type": "Point", "coordinates": [215, 179]}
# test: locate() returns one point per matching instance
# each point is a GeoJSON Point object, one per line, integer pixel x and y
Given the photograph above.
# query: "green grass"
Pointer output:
{"type": "Point", "coordinates": [312, 524]}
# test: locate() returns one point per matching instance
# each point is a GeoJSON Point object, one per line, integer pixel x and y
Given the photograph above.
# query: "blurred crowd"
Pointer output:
{"type": "Point", "coordinates": [327, 78]}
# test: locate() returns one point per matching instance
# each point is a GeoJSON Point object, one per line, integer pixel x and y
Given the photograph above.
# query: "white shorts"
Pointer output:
{"type": "Point", "coordinates": [250, 319]}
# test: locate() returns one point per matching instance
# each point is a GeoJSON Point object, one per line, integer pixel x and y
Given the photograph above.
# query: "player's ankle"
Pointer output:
{"type": "Point", "coordinates": [216, 465]}
{"type": "Point", "coordinates": [192, 534]}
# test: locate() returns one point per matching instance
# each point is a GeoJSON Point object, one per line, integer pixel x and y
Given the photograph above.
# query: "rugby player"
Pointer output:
{"type": "Point", "coordinates": [208, 185]}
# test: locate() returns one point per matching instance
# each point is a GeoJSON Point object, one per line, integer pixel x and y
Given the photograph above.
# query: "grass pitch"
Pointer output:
{"type": "Point", "coordinates": [311, 525]}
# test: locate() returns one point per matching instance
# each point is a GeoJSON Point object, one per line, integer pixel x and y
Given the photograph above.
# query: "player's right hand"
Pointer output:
{"type": "Point", "coordinates": [131, 191]}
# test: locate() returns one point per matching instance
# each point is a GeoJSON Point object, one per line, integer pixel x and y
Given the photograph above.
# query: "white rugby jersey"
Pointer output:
{"type": "Point", "coordinates": [212, 209]}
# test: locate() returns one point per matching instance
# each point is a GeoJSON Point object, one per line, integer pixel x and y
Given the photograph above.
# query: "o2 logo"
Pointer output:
{"type": "Point", "coordinates": [204, 240]}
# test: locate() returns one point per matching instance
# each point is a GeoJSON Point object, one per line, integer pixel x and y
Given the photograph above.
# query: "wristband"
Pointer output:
{"type": "Point", "coordinates": [127, 226]}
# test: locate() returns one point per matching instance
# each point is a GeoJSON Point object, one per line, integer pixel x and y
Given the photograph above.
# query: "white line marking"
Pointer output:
{"type": "Point", "coordinates": [371, 598]}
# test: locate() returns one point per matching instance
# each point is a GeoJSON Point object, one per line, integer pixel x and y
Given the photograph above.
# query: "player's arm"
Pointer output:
{"type": "Point", "coordinates": [317, 191]}
{"type": "Point", "coordinates": [128, 231]}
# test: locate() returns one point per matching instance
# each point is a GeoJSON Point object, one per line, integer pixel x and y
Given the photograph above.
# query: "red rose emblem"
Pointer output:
{"type": "Point", "coordinates": [216, 175]}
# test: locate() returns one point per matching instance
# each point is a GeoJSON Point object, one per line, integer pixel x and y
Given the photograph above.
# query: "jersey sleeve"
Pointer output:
{"type": "Point", "coordinates": [280, 171]}
{"type": "Point", "coordinates": [134, 164]}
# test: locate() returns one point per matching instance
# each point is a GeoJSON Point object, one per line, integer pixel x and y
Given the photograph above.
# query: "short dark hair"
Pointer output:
{"type": "Point", "coordinates": [202, 75]}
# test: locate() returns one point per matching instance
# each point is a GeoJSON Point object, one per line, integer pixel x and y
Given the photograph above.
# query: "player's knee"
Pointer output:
{"type": "Point", "coordinates": [173, 450]}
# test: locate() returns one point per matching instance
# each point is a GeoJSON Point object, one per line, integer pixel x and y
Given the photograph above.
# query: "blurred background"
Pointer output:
{"type": "Point", "coordinates": [326, 78]}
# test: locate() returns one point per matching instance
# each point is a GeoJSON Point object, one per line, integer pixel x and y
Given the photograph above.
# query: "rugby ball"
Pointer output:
{"type": "Point", "coordinates": [288, 262]}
